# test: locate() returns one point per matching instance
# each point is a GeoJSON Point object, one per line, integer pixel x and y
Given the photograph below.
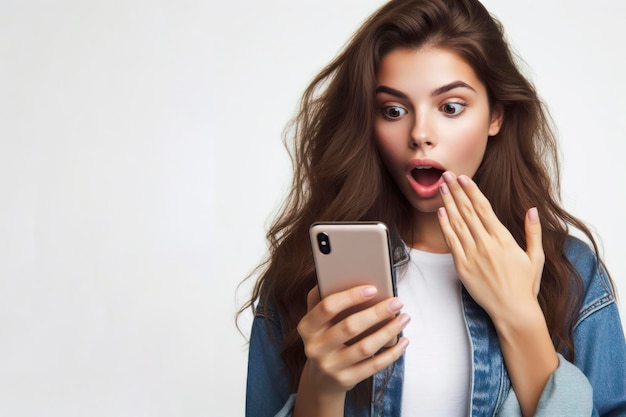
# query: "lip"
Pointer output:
{"type": "Point", "coordinates": [424, 191]}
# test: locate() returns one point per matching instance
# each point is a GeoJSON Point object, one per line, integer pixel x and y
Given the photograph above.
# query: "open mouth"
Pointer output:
{"type": "Point", "coordinates": [426, 175]}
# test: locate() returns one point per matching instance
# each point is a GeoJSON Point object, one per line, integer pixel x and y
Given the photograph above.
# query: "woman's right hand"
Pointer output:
{"type": "Point", "coordinates": [332, 367]}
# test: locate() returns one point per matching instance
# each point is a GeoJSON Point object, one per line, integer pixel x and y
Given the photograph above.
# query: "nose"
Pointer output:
{"type": "Point", "coordinates": [422, 133]}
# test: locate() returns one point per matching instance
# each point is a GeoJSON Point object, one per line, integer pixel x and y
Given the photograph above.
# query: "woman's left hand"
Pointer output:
{"type": "Point", "coordinates": [496, 271]}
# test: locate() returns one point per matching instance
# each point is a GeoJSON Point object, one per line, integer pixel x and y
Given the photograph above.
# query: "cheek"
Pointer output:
{"type": "Point", "coordinates": [384, 146]}
{"type": "Point", "coordinates": [386, 154]}
{"type": "Point", "coordinates": [389, 153]}
{"type": "Point", "coordinates": [383, 142]}
{"type": "Point", "coordinates": [390, 139]}
{"type": "Point", "coordinates": [470, 152]}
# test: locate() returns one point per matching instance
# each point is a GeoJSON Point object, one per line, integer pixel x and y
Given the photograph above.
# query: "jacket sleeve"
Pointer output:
{"type": "Point", "coordinates": [268, 387]}
{"type": "Point", "coordinates": [599, 338]}
{"type": "Point", "coordinates": [595, 384]}
{"type": "Point", "coordinates": [567, 393]}
{"type": "Point", "coordinates": [601, 355]}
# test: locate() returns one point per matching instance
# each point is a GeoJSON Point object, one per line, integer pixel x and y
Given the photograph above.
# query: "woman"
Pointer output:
{"type": "Point", "coordinates": [424, 122]}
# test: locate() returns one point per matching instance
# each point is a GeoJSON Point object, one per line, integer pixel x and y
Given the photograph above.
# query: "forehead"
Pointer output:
{"type": "Point", "coordinates": [425, 68]}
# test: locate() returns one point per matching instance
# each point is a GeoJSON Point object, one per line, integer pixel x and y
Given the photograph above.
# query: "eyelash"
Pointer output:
{"type": "Point", "coordinates": [453, 103]}
{"type": "Point", "coordinates": [385, 113]}
{"type": "Point", "coordinates": [386, 109]}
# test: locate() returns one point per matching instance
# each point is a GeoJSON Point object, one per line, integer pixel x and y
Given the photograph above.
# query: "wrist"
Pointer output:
{"type": "Point", "coordinates": [522, 316]}
{"type": "Point", "coordinates": [526, 331]}
{"type": "Point", "coordinates": [313, 400]}
{"type": "Point", "coordinates": [528, 352]}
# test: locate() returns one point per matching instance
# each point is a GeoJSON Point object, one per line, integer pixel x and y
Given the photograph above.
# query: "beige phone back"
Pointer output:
{"type": "Point", "coordinates": [351, 254]}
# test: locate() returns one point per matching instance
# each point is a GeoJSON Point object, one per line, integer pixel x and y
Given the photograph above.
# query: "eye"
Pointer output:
{"type": "Point", "coordinates": [393, 112]}
{"type": "Point", "coordinates": [452, 109]}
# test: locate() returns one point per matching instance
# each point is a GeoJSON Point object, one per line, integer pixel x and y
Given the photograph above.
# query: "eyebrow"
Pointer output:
{"type": "Point", "coordinates": [436, 92]}
{"type": "Point", "coordinates": [451, 86]}
{"type": "Point", "coordinates": [391, 91]}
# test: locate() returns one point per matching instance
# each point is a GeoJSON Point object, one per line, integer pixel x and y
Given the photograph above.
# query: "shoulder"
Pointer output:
{"type": "Point", "coordinates": [266, 312]}
{"type": "Point", "coordinates": [598, 291]}
{"type": "Point", "coordinates": [266, 334]}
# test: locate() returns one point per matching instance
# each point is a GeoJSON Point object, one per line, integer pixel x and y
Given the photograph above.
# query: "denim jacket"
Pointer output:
{"type": "Point", "coordinates": [594, 385]}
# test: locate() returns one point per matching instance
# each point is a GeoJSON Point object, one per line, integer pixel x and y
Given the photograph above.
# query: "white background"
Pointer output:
{"type": "Point", "coordinates": [141, 161]}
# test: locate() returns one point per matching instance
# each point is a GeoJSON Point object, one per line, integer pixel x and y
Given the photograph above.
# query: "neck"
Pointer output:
{"type": "Point", "coordinates": [426, 234]}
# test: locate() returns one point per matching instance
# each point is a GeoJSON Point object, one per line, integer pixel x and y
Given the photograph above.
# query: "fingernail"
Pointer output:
{"type": "Point", "coordinates": [442, 212]}
{"type": "Point", "coordinates": [463, 180]}
{"type": "Point", "coordinates": [369, 291]}
{"type": "Point", "coordinates": [533, 215]}
{"type": "Point", "coordinates": [395, 305]}
{"type": "Point", "coordinates": [403, 343]}
{"type": "Point", "coordinates": [448, 176]}
{"type": "Point", "coordinates": [404, 319]}
{"type": "Point", "coordinates": [444, 188]}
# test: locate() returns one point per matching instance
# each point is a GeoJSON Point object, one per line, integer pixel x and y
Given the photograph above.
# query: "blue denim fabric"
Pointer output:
{"type": "Point", "coordinates": [600, 363]}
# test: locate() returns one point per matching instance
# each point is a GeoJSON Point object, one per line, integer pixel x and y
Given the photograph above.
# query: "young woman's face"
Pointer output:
{"type": "Point", "coordinates": [432, 116]}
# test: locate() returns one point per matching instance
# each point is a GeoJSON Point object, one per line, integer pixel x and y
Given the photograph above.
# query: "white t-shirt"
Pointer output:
{"type": "Point", "coordinates": [437, 360]}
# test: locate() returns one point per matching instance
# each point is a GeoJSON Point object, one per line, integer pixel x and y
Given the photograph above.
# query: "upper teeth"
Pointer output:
{"type": "Point", "coordinates": [424, 167]}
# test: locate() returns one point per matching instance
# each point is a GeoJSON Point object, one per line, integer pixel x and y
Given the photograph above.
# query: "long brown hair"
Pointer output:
{"type": "Point", "coordinates": [338, 173]}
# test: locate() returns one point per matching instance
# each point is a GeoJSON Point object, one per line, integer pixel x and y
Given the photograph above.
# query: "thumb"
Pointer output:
{"type": "Point", "coordinates": [534, 246]}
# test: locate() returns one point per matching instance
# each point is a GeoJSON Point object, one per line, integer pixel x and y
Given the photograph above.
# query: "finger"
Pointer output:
{"type": "Point", "coordinates": [458, 224]}
{"type": "Point", "coordinates": [354, 354]}
{"type": "Point", "coordinates": [534, 245]}
{"type": "Point", "coordinates": [370, 366]}
{"type": "Point", "coordinates": [364, 321]}
{"type": "Point", "coordinates": [481, 207]}
{"type": "Point", "coordinates": [328, 308]}
{"type": "Point", "coordinates": [374, 342]}
{"type": "Point", "coordinates": [450, 236]}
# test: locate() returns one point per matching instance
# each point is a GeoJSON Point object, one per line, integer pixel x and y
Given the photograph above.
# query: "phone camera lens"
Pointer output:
{"type": "Point", "coordinates": [323, 243]}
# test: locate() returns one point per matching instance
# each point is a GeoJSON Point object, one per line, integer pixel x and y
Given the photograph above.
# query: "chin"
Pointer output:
{"type": "Point", "coordinates": [430, 206]}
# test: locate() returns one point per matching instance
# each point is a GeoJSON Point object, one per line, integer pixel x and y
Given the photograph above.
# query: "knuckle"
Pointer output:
{"type": "Point", "coordinates": [349, 327]}
{"type": "Point", "coordinates": [366, 349]}
{"type": "Point", "coordinates": [483, 207]}
{"type": "Point", "coordinates": [300, 328]}
{"type": "Point", "coordinates": [458, 225]}
{"type": "Point", "coordinates": [344, 380]}
{"type": "Point", "coordinates": [356, 296]}
{"type": "Point", "coordinates": [304, 327]}
{"type": "Point", "coordinates": [466, 207]}
{"type": "Point", "coordinates": [327, 308]}
{"type": "Point", "coordinates": [313, 351]}
{"type": "Point", "coordinates": [382, 310]}
{"type": "Point", "coordinates": [326, 367]}
{"type": "Point", "coordinates": [310, 352]}
{"type": "Point", "coordinates": [304, 332]}
{"type": "Point", "coordinates": [379, 362]}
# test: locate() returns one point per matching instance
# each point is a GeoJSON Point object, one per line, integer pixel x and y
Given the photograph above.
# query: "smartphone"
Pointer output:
{"type": "Point", "coordinates": [348, 254]}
